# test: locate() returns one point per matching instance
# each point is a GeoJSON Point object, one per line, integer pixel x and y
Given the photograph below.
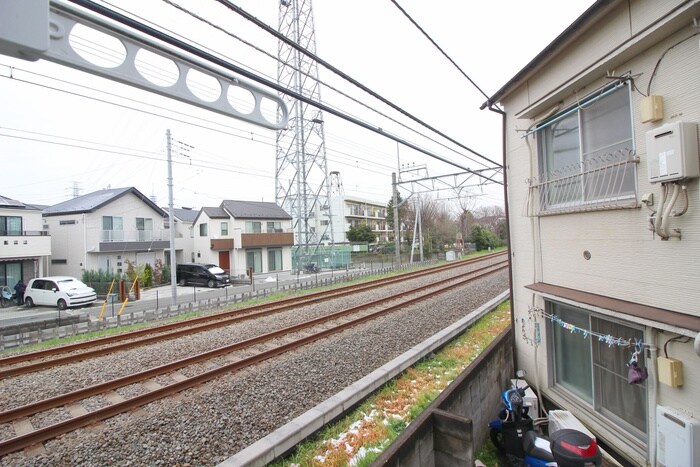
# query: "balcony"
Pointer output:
{"type": "Point", "coordinates": [265, 239]}
{"type": "Point", "coordinates": [135, 240]}
{"type": "Point", "coordinates": [25, 244]}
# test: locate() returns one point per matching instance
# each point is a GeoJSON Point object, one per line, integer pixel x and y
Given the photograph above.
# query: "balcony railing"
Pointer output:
{"type": "Point", "coordinates": [24, 233]}
{"type": "Point", "coordinates": [136, 235]}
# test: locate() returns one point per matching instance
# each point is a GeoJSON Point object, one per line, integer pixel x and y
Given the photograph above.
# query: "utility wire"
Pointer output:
{"type": "Point", "coordinates": [335, 70]}
{"type": "Point", "coordinates": [351, 157]}
{"type": "Point", "coordinates": [307, 75]}
{"type": "Point", "coordinates": [439, 48]}
{"type": "Point", "coordinates": [189, 49]}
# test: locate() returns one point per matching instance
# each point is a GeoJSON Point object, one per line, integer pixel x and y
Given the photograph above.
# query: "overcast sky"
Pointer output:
{"type": "Point", "coordinates": [63, 131]}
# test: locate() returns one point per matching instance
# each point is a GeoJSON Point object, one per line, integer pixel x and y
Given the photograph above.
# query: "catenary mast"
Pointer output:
{"type": "Point", "coordinates": [301, 175]}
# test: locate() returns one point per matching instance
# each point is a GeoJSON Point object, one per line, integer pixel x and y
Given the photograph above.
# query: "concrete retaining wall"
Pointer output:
{"type": "Point", "coordinates": [456, 423]}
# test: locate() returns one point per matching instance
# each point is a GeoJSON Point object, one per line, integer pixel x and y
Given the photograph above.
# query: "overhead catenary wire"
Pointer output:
{"type": "Point", "coordinates": [247, 135]}
{"type": "Point", "coordinates": [303, 72]}
{"type": "Point", "coordinates": [195, 52]}
{"type": "Point", "coordinates": [343, 75]}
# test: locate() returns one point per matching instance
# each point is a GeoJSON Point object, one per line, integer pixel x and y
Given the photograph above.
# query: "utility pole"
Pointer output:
{"type": "Point", "coordinates": [171, 220]}
{"type": "Point", "coordinates": [397, 230]}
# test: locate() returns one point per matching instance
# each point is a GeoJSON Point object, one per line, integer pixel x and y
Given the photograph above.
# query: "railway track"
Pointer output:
{"type": "Point", "coordinates": [220, 361]}
{"type": "Point", "coordinates": [39, 360]}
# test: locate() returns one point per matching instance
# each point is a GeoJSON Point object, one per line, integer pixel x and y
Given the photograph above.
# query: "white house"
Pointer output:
{"type": "Point", "coordinates": [238, 235]}
{"type": "Point", "coordinates": [601, 151]}
{"type": "Point", "coordinates": [24, 246]}
{"type": "Point", "coordinates": [104, 229]}
{"type": "Point", "coordinates": [184, 233]}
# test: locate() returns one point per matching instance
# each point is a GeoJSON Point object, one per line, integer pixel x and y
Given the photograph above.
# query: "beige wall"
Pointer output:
{"type": "Point", "coordinates": [628, 262]}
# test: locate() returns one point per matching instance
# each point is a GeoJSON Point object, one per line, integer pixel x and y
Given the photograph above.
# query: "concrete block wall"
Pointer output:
{"type": "Point", "coordinates": [455, 425]}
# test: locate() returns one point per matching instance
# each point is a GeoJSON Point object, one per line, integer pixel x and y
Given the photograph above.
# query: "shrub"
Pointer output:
{"type": "Point", "coordinates": [147, 277]}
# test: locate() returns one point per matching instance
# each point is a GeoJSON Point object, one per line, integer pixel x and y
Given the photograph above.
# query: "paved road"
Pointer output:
{"type": "Point", "coordinates": [157, 297]}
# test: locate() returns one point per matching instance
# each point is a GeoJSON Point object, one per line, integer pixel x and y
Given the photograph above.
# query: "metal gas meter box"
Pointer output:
{"type": "Point", "coordinates": [672, 152]}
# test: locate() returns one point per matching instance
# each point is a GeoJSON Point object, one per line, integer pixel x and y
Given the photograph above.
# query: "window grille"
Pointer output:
{"type": "Point", "coordinates": [602, 182]}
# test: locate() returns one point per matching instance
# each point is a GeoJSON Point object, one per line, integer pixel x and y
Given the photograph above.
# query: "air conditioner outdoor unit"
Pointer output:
{"type": "Point", "coordinates": [560, 419]}
{"type": "Point", "coordinates": [677, 438]}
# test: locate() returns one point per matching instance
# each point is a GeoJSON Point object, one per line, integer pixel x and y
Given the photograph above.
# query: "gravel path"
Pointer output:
{"type": "Point", "coordinates": [205, 425]}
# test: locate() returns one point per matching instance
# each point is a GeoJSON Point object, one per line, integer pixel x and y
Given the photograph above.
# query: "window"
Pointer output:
{"type": "Point", "coordinates": [274, 259]}
{"type": "Point", "coordinates": [224, 228]}
{"type": "Point", "coordinates": [594, 371]}
{"type": "Point", "coordinates": [203, 230]}
{"type": "Point", "coordinates": [253, 259]}
{"type": "Point", "coordinates": [112, 229]}
{"type": "Point", "coordinates": [10, 273]}
{"type": "Point", "coordinates": [59, 261]}
{"type": "Point", "coordinates": [10, 225]}
{"type": "Point", "coordinates": [274, 227]}
{"type": "Point", "coordinates": [144, 229]}
{"type": "Point", "coordinates": [586, 155]}
{"type": "Point", "coordinates": [253, 227]}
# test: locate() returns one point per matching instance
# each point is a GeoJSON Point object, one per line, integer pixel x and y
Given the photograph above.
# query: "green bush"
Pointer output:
{"type": "Point", "coordinates": [100, 280]}
{"type": "Point", "coordinates": [147, 278]}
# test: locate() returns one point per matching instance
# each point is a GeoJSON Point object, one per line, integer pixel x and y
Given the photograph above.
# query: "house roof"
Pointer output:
{"type": "Point", "coordinates": [254, 210]}
{"type": "Point", "coordinates": [552, 50]}
{"type": "Point", "coordinates": [95, 200]}
{"type": "Point", "coordinates": [215, 213]}
{"type": "Point", "coordinates": [6, 202]}
{"type": "Point", "coordinates": [186, 215]}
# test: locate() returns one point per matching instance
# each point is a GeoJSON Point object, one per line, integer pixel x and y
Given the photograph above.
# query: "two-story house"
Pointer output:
{"type": "Point", "coordinates": [238, 235]}
{"type": "Point", "coordinates": [104, 229]}
{"type": "Point", "coordinates": [24, 246]}
{"type": "Point", "coordinates": [601, 152]}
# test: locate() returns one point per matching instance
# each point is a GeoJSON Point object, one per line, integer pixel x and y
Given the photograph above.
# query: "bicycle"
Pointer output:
{"type": "Point", "coordinates": [5, 296]}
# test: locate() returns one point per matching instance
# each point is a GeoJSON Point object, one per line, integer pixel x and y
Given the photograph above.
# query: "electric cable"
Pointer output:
{"type": "Point", "coordinates": [352, 157]}
{"type": "Point", "coordinates": [343, 75]}
{"type": "Point", "coordinates": [440, 49]}
{"type": "Point", "coordinates": [685, 340]}
{"type": "Point", "coordinates": [307, 75]}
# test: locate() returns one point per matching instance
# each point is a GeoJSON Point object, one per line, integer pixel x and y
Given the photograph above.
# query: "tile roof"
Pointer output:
{"type": "Point", "coordinates": [6, 202]}
{"type": "Point", "coordinates": [254, 210]}
{"type": "Point", "coordinates": [95, 200]}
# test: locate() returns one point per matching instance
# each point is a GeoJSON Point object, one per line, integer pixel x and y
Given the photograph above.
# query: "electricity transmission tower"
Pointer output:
{"type": "Point", "coordinates": [301, 175]}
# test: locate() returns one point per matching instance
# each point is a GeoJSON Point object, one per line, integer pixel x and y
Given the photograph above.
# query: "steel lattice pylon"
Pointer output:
{"type": "Point", "coordinates": [301, 176]}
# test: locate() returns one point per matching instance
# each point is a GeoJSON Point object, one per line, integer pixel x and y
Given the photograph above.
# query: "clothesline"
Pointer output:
{"type": "Point", "coordinates": [608, 339]}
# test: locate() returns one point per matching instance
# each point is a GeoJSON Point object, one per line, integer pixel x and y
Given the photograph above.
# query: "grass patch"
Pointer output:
{"type": "Point", "coordinates": [361, 436]}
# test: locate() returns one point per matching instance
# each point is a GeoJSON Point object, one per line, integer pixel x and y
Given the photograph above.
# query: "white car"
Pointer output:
{"type": "Point", "coordinates": [60, 291]}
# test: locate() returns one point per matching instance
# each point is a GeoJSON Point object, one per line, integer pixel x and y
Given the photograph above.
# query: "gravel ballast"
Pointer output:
{"type": "Point", "coordinates": [207, 424]}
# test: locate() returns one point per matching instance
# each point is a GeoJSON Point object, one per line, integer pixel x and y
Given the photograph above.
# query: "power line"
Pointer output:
{"type": "Point", "coordinates": [438, 47]}
{"type": "Point", "coordinates": [324, 83]}
{"type": "Point", "coordinates": [330, 67]}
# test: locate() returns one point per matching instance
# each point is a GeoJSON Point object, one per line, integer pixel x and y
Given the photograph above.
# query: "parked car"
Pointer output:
{"type": "Point", "coordinates": [60, 291]}
{"type": "Point", "coordinates": [209, 275]}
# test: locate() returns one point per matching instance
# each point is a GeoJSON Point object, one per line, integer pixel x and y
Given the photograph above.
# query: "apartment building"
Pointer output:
{"type": "Point", "coordinates": [603, 199]}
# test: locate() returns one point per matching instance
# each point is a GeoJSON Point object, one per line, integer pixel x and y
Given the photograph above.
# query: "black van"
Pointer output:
{"type": "Point", "coordinates": [209, 275]}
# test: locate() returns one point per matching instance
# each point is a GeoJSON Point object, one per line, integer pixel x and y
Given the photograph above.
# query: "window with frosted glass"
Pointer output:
{"type": "Point", "coordinates": [595, 371]}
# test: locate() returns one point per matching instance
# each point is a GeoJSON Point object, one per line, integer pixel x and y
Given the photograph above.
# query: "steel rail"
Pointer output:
{"type": "Point", "coordinates": [99, 388]}
{"type": "Point", "coordinates": [19, 442]}
{"type": "Point", "coordinates": [198, 324]}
